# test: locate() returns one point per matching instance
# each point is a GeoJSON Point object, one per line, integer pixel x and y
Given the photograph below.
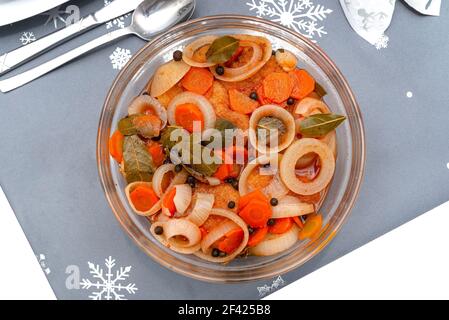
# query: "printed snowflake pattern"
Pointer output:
{"type": "Point", "coordinates": [55, 15]}
{"type": "Point", "coordinates": [382, 42]}
{"type": "Point", "coordinates": [266, 289]}
{"type": "Point", "coordinates": [119, 58]}
{"type": "Point", "coordinates": [302, 16]}
{"type": "Point", "coordinates": [27, 37]}
{"type": "Point", "coordinates": [41, 258]}
{"type": "Point", "coordinates": [117, 22]}
{"type": "Point", "coordinates": [108, 286]}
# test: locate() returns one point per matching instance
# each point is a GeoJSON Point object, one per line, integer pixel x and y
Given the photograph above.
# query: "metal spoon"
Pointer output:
{"type": "Point", "coordinates": [152, 17]}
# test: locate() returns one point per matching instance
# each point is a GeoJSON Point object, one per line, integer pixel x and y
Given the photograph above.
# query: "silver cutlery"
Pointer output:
{"type": "Point", "coordinates": [14, 58]}
{"type": "Point", "coordinates": [151, 17]}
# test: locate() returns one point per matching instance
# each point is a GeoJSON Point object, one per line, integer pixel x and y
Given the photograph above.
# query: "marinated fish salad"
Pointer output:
{"type": "Point", "coordinates": [229, 150]}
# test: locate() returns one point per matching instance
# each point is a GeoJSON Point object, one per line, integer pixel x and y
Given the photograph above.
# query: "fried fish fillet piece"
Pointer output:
{"type": "Point", "coordinates": [219, 98]}
{"type": "Point", "coordinates": [223, 193]}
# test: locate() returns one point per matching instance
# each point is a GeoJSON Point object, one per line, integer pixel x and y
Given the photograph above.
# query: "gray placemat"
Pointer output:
{"type": "Point", "coordinates": [48, 131]}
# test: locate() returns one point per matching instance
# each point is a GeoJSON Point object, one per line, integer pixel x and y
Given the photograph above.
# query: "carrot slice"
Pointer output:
{"type": "Point", "coordinates": [313, 225]}
{"type": "Point", "coordinates": [157, 153]}
{"type": "Point", "coordinates": [223, 171]}
{"type": "Point", "coordinates": [303, 84]}
{"type": "Point", "coordinates": [281, 225]}
{"type": "Point", "coordinates": [231, 241]}
{"type": "Point", "coordinates": [263, 100]}
{"type": "Point", "coordinates": [257, 236]}
{"type": "Point", "coordinates": [241, 103]}
{"type": "Point", "coordinates": [278, 87]}
{"type": "Point", "coordinates": [116, 146]}
{"type": "Point", "coordinates": [143, 198]}
{"type": "Point", "coordinates": [247, 198]}
{"type": "Point", "coordinates": [256, 213]}
{"type": "Point", "coordinates": [188, 113]}
{"type": "Point", "coordinates": [298, 221]}
{"type": "Point", "coordinates": [198, 80]}
{"type": "Point", "coordinates": [168, 201]}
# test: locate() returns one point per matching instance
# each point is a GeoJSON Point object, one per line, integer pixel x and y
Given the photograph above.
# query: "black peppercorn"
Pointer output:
{"type": "Point", "coordinates": [273, 53]}
{"type": "Point", "coordinates": [231, 204]}
{"type": "Point", "coordinates": [178, 168]}
{"type": "Point", "coordinates": [167, 160]}
{"type": "Point", "coordinates": [271, 222]}
{"type": "Point", "coordinates": [290, 101]}
{"type": "Point", "coordinates": [191, 179]}
{"type": "Point", "coordinates": [215, 252]}
{"type": "Point", "coordinates": [158, 230]}
{"type": "Point", "coordinates": [274, 202]}
{"type": "Point", "coordinates": [177, 55]}
{"type": "Point", "coordinates": [220, 70]}
{"type": "Point", "coordinates": [254, 96]}
{"type": "Point", "coordinates": [250, 230]}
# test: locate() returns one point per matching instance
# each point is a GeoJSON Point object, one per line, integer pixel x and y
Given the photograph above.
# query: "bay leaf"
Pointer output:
{"type": "Point", "coordinates": [318, 125]}
{"type": "Point", "coordinates": [222, 49]}
{"type": "Point", "coordinates": [166, 135]}
{"type": "Point", "coordinates": [127, 127]}
{"type": "Point", "coordinates": [138, 164]}
{"type": "Point", "coordinates": [222, 125]}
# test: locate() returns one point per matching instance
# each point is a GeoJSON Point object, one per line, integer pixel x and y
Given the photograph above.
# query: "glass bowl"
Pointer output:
{"type": "Point", "coordinates": [342, 192]}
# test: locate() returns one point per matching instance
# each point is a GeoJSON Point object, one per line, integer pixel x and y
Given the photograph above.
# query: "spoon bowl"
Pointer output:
{"type": "Point", "coordinates": [152, 17]}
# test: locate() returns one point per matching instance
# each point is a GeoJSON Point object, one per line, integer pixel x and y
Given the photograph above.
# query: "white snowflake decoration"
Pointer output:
{"type": "Point", "coordinates": [382, 42]}
{"type": "Point", "coordinates": [108, 286]}
{"type": "Point", "coordinates": [119, 58]}
{"type": "Point", "coordinates": [117, 22]}
{"type": "Point", "coordinates": [27, 37]}
{"type": "Point", "coordinates": [300, 15]}
{"type": "Point", "coordinates": [41, 258]}
{"type": "Point", "coordinates": [55, 15]}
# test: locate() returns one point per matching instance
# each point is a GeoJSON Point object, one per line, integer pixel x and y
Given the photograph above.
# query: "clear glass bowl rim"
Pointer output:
{"type": "Point", "coordinates": [272, 269]}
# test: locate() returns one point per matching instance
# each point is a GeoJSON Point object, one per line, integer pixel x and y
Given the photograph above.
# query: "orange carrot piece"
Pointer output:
{"type": "Point", "coordinates": [157, 153]}
{"type": "Point", "coordinates": [231, 241]}
{"type": "Point", "coordinates": [278, 87]}
{"type": "Point", "coordinates": [281, 225]}
{"type": "Point", "coordinates": [298, 221]}
{"type": "Point", "coordinates": [257, 236]}
{"type": "Point", "coordinates": [222, 172]}
{"type": "Point", "coordinates": [263, 100]}
{"type": "Point", "coordinates": [303, 84]}
{"type": "Point", "coordinates": [234, 57]}
{"type": "Point", "coordinates": [188, 113]}
{"type": "Point", "coordinates": [256, 213]}
{"type": "Point", "coordinates": [313, 225]}
{"type": "Point", "coordinates": [242, 103]}
{"type": "Point", "coordinates": [116, 146]}
{"type": "Point", "coordinates": [168, 201]}
{"type": "Point", "coordinates": [143, 198]}
{"type": "Point", "coordinates": [198, 80]}
{"type": "Point", "coordinates": [247, 198]}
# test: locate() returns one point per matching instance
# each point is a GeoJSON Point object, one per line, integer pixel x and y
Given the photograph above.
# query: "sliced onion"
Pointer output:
{"type": "Point", "coordinates": [274, 244]}
{"type": "Point", "coordinates": [189, 51]}
{"type": "Point", "coordinates": [145, 102]}
{"type": "Point", "coordinates": [276, 188]}
{"type": "Point", "coordinates": [286, 60]}
{"type": "Point", "coordinates": [182, 233]}
{"type": "Point", "coordinates": [183, 197]}
{"type": "Point", "coordinates": [309, 106]}
{"type": "Point", "coordinates": [161, 238]}
{"type": "Point", "coordinates": [213, 181]}
{"type": "Point", "coordinates": [252, 67]}
{"type": "Point", "coordinates": [290, 206]}
{"type": "Point", "coordinates": [297, 150]}
{"type": "Point", "coordinates": [216, 234]}
{"type": "Point", "coordinates": [130, 187]}
{"type": "Point", "coordinates": [201, 102]}
{"type": "Point", "coordinates": [159, 175]}
{"type": "Point", "coordinates": [280, 113]}
{"type": "Point", "coordinates": [202, 205]}
{"type": "Point", "coordinates": [237, 220]}
{"type": "Point", "coordinates": [179, 178]}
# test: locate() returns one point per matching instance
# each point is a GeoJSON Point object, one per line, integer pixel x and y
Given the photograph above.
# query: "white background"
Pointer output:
{"type": "Point", "coordinates": [411, 262]}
